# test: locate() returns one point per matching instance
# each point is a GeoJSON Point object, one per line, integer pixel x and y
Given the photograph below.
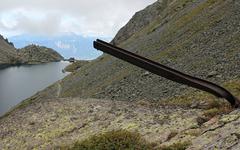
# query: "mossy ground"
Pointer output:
{"type": "Point", "coordinates": [57, 122]}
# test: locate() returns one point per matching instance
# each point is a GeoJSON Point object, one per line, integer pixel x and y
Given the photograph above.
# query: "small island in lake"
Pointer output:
{"type": "Point", "coordinates": [32, 54]}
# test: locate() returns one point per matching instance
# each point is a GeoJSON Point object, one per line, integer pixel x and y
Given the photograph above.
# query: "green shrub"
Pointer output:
{"type": "Point", "coordinates": [114, 140]}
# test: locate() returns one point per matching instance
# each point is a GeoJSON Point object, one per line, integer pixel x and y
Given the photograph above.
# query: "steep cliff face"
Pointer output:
{"type": "Point", "coordinates": [198, 37]}
{"type": "Point", "coordinates": [34, 54]}
{"type": "Point", "coordinates": [8, 53]}
{"type": "Point", "coordinates": [140, 20]}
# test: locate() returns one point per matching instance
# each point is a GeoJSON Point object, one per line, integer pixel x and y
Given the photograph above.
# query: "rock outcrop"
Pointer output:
{"type": "Point", "coordinates": [76, 65]}
{"type": "Point", "coordinates": [140, 20]}
{"type": "Point", "coordinates": [8, 54]}
{"type": "Point", "coordinates": [34, 54]}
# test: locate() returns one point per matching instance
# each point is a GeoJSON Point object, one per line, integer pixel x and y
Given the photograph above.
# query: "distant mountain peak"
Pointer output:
{"type": "Point", "coordinates": [67, 44]}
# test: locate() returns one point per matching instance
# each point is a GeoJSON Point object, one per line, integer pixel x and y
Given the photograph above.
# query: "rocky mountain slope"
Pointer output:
{"type": "Point", "coordinates": [34, 54]}
{"type": "Point", "coordinates": [8, 54]}
{"type": "Point", "coordinates": [198, 37]}
{"type": "Point", "coordinates": [76, 65]}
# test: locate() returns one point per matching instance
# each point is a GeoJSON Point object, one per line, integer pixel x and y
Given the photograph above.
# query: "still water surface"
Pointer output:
{"type": "Point", "coordinates": [19, 83]}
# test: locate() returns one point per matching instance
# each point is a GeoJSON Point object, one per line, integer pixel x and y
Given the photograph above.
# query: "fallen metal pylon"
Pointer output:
{"type": "Point", "coordinates": [166, 72]}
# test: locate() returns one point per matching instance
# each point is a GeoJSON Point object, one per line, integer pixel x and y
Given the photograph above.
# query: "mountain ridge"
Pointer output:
{"type": "Point", "coordinates": [140, 20]}
{"type": "Point", "coordinates": [68, 44]}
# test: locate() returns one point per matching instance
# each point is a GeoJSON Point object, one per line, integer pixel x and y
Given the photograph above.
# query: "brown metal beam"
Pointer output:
{"type": "Point", "coordinates": [166, 72]}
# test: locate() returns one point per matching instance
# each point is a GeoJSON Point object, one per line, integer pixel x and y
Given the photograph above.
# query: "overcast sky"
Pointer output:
{"type": "Point", "coordinates": [51, 17]}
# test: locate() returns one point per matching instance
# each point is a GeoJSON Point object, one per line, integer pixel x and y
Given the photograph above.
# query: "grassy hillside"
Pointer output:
{"type": "Point", "coordinates": [198, 37]}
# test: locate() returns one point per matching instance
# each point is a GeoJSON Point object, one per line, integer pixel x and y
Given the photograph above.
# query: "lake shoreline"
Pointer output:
{"type": "Point", "coordinates": [4, 66]}
{"type": "Point", "coordinates": [38, 77]}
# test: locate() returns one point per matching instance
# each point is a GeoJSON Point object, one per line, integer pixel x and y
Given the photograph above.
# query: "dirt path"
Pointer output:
{"type": "Point", "coordinates": [59, 89]}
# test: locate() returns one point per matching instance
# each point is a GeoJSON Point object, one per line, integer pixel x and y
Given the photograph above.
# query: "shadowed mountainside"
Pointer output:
{"type": "Point", "coordinates": [8, 54]}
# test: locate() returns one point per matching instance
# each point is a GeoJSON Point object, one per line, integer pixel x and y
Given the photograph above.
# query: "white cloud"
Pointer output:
{"type": "Point", "coordinates": [47, 17]}
{"type": "Point", "coordinates": [62, 45]}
